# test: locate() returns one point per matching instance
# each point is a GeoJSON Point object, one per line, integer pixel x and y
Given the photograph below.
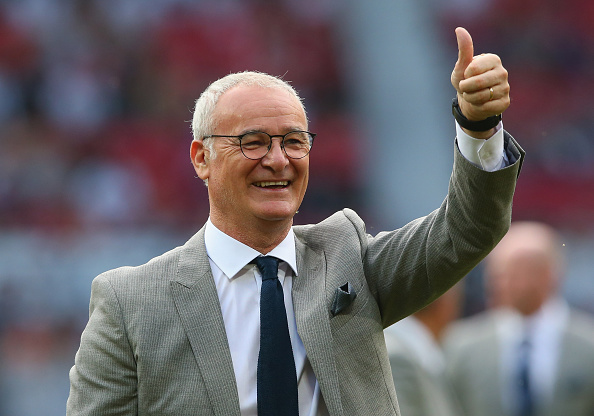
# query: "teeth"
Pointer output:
{"type": "Point", "coordinates": [265, 184]}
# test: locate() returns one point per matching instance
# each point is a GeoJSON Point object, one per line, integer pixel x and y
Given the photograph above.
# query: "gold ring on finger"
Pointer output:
{"type": "Point", "coordinates": [491, 93]}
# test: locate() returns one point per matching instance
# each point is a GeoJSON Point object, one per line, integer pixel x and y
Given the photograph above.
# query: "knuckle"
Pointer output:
{"type": "Point", "coordinates": [463, 86]}
{"type": "Point", "coordinates": [470, 71]}
{"type": "Point", "coordinates": [480, 83]}
{"type": "Point", "coordinates": [473, 99]}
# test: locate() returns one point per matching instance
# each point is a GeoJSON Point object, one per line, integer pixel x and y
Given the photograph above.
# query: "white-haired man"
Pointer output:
{"type": "Point", "coordinates": [202, 330]}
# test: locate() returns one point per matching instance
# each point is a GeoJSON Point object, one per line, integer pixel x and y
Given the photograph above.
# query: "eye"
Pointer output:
{"type": "Point", "coordinates": [254, 140]}
{"type": "Point", "coordinates": [297, 139]}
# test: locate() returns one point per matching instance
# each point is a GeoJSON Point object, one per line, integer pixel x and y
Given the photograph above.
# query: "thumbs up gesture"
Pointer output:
{"type": "Point", "coordinates": [480, 81]}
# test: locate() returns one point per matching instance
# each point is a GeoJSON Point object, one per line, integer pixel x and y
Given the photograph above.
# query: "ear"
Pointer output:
{"type": "Point", "coordinates": [200, 159]}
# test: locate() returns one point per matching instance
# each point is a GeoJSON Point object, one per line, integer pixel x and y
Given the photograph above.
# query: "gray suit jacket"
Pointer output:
{"type": "Point", "coordinates": [155, 343]}
{"type": "Point", "coordinates": [421, 392]}
{"type": "Point", "coordinates": [474, 354]}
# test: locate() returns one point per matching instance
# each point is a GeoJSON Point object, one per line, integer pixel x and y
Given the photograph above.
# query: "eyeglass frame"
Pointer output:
{"type": "Point", "coordinates": [282, 142]}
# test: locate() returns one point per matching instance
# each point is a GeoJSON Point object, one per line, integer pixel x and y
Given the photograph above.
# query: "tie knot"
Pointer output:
{"type": "Point", "coordinates": [268, 266]}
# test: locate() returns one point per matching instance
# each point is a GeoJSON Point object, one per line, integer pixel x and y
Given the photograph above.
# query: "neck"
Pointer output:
{"type": "Point", "coordinates": [434, 326]}
{"type": "Point", "coordinates": [262, 237]}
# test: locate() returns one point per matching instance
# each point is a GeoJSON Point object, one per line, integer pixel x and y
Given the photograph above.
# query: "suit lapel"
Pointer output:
{"type": "Point", "coordinates": [313, 325]}
{"type": "Point", "coordinates": [197, 303]}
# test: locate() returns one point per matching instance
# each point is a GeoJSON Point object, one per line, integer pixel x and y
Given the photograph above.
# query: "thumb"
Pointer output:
{"type": "Point", "coordinates": [465, 54]}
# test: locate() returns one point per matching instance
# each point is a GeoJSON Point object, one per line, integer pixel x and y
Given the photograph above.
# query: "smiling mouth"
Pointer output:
{"type": "Point", "coordinates": [274, 185]}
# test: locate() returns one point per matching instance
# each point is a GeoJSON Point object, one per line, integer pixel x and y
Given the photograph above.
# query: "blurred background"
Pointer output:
{"type": "Point", "coordinates": [96, 95]}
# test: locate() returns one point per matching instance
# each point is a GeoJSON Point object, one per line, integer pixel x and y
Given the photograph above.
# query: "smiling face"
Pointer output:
{"type": "Point", "coordinates": [250, 196]}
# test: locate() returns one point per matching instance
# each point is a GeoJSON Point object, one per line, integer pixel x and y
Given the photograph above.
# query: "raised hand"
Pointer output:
{"type": "Point", "coordinates": [481, 81]}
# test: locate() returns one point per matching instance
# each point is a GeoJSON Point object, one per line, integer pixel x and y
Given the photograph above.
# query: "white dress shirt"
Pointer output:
{"type": "Point", "coordinates": [238, 287]}
{"type": "Point", "coordinates": [486, 154]}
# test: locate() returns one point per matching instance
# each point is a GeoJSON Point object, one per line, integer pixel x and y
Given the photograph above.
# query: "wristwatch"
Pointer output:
{"type": "Point", "coordinates": [483, 125]}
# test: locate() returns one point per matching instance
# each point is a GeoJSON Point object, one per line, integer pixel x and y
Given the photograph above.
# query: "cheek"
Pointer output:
{"type": "Point", "coordinates": [220, 186]}
{"type": "Point", "coordinates": [303, 171]}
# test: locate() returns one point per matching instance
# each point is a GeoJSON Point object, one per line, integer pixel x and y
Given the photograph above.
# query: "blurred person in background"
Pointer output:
{"type": "Point", "coordinates": [417, 359]}
{"type": "Point", "coordinates": [202, 330]}
{"type": "Point", "coordinates": [530, 354]}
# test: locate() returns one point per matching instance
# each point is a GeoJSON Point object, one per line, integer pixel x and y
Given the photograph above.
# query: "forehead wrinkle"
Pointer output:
{"type": "Point", "coordinates": [263, 122]}
{"type": "Point", "coordinates": [279, 129]}
{"type": "Point", "coordinates": [271, 101]}
{"type": "Point", "coordinates": [272, 112]}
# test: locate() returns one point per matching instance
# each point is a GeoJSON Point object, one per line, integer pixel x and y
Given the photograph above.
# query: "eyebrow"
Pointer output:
{"type": "Point", "coordinates": [251, 131]}
{"type": "Point", "coordinates": [290, 129]}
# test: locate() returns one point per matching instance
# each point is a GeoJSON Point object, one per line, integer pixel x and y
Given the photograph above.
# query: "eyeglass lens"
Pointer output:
{"type": "Point", "coordinates": [296, 144]}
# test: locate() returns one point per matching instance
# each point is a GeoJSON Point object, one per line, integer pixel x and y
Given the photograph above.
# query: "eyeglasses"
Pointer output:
{"type": "Point", "coordinates": [256, 144]}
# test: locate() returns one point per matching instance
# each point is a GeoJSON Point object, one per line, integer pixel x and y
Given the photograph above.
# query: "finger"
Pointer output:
{"type": "Point", "coordinates": [482, 96]}
{"type": "Point", "coordinates": [465, 52]}
{"type": "Point", "coordinates": [481, 64]}
{"type": "Point", "coordinates": [488, 109]}
{"type": "Point", "coordinates": [480, 82]}
{"type": "Point", "coordinates": [480, 112]}
{"type": "Point", "coordinates": [494, 93]}
{"type": "Point", "coordinates": [478, 106]}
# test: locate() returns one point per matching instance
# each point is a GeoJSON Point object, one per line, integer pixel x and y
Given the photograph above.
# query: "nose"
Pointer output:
{"type": "Point", "coordinates": [276, 158]}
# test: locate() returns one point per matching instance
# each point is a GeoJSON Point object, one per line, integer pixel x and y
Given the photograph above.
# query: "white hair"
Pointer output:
{"type": "Point", "coordinates": [203, 122]}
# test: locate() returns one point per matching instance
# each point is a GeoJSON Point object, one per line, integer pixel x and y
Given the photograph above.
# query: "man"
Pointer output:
{"type": "Point", "coordinates": [191, 331]}
{"type": "Point", "coordinates": [530, 354]}
{"type": "Point", "coordinates": [417, 360]}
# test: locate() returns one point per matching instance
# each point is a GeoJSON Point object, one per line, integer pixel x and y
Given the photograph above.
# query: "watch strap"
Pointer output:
{"type": "Point", "coordinates": [482, 125]}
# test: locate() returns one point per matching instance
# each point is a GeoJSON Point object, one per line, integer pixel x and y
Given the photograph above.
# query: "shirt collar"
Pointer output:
{"type": "Point", "coordinates": [231, 255]}
{"type": "Point", "coordinates": [548, 320]}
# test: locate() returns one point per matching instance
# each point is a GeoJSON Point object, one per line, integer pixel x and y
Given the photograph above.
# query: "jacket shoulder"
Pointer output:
{"type": "Point", "coordinates": [340, 229]}
{"type": "Point", "coordinates": [467, 333]}
{"type": "Point", "coordinates": [160, 265]}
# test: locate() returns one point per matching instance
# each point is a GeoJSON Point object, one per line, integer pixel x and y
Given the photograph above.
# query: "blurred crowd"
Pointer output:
{"type": "Point", "coordinates": [95, 97]}
{"type": "Point", "coordinates": [95, 102]}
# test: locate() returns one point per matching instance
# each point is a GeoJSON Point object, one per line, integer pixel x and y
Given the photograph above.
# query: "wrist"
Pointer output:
{"type": "Point", "coordinates": [478, 129]}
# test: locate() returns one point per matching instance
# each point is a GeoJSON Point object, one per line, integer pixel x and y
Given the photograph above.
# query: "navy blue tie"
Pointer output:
{"type": "Point", "coordinates": [525, 402]}
{"type": "Point", "coordinates": [277, 378]}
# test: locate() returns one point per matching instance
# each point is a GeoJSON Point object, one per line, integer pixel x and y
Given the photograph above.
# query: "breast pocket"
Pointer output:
{"type": "Point", "coordinates": [346, 305]}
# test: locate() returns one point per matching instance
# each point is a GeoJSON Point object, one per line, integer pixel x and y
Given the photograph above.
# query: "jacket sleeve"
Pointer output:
{"type": "Point", "coordinates": [103, 379]}
{"type": "Point", "coordinates": [408, 268]}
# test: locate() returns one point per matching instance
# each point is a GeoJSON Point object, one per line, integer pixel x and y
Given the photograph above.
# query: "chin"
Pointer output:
{"type": "Point", "coordinates": [277, 215]}
{"type": "Point", "coordinates": [277, 211]}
